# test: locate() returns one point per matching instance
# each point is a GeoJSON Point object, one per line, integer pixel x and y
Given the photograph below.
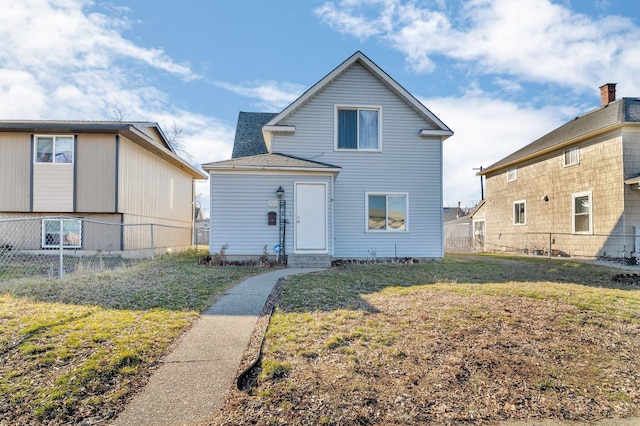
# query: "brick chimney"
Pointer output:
{"type": "Point", "coordinates": [607, 93]}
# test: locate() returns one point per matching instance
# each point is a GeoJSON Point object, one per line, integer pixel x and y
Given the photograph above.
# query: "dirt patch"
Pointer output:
{"type": "Point", "coordinates": [442, 357]}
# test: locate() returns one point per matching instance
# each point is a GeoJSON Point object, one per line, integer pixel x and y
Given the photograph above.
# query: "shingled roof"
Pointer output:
{"type": "Point", "coordinates": [249, 140]}
{"type": "Point", "coordinates": [271, 162]}
{"type": "Point", "coordinates": [602, 119]}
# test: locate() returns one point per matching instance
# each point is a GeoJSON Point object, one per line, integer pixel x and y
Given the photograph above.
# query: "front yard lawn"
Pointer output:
{"type": "Point", "coordinates": [469, 340]}
{"type": "Point", "coordinates": [77, 348]}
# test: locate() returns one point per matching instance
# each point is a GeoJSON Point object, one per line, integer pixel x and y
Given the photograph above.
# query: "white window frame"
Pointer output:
{"type": "Point", "coordinates": [573, 212]}
{"type": "Point", "coordinates": [339, 107]}
{"type": "Point", "coordinates": [65, 237]}
{"type": "Point", "coordinates": [568, 152]}
{"type": "Point", "coordinates": [523, 202]}
{"type": "Point", "coordinates": [53, 159]}
{"type": "Point", "coordinates": [512, 174]}
{"type": "Point", "coordinates": [386, 195]}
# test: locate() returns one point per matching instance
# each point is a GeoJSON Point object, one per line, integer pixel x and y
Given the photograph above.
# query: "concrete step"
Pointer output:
{"type": "Point", "coordinates": [308, 261]}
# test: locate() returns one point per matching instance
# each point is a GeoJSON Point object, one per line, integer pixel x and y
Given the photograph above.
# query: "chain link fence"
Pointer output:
{"type": "Point", "coordinates": [57, 245]}
{"type": "Point", "coordinates": [614, 248]}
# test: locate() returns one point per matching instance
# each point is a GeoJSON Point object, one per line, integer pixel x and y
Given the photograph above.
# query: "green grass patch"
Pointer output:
{"type": "Point", "coordinates": [75, 347]}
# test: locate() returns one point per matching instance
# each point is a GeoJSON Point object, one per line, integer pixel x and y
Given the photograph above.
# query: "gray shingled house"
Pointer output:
{"type": "Point", "coordinates": [351, 169]}
{"type": "Point", "coordinates": [575, 190]}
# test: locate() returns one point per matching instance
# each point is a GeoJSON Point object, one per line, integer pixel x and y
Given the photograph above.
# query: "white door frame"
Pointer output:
{"type": "Point", "coordinates": [296, 219]}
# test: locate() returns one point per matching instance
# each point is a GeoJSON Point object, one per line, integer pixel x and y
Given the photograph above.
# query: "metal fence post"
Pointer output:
{"type": "Point", "coordinates": [152, 248]}
{"type": "Point", "coordinates": [550, 242]}
{"type": "Point", "coordinates": [61, 243]}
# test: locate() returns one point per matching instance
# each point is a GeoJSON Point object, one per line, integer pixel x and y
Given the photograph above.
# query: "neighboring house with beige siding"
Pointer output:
{"type": "Point", "coordinates": [352, 169]}
{"type": "Point", "coordinates": [124, 173]}
{"type": "Point", "coordinates": [574, 191]}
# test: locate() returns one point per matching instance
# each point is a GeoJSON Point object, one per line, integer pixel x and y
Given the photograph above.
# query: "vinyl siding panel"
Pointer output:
{"type": "Point", "coordinates": [407, 164]}
{"type": "Point", "coordinates": [168, 235]}
{"type": "Point", "coordinates": [150, 187]}
{"type": "Point", "coordinates": [96, 173]}
{"type": "Point", "coordinates": [15, 169]}
{"type": "Point", "coordinates": [53, 188]}
{"type": "Point", "coordinates": [27, 234]}
{"type": "Point", "coordinates": [240, 205]}
{"type": "Point", "coordinates": [152, 191]}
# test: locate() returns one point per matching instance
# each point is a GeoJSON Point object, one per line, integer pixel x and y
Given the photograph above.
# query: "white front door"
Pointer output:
{"type": "Point", "coordinates": [311, 217]}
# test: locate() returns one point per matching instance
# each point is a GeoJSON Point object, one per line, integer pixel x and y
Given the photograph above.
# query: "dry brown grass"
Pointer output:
{"type": "Point", "coordinates": [73, 351]}
{"type": "Point", "coordinates": [471, 340]}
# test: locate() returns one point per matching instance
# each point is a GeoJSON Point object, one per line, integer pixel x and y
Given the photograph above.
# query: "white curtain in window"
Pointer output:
{"type": "Point", "coordinates": [368, 128]}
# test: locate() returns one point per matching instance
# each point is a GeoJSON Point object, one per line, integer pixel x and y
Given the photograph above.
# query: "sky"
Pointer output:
{"type": "Point", "coordinates": [499, 73]}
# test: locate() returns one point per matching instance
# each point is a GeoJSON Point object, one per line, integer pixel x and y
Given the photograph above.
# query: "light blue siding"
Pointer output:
{"type": "Point", "coordinates": [240, 206]}
{"type": "Point", "coordinates": [407, 164]}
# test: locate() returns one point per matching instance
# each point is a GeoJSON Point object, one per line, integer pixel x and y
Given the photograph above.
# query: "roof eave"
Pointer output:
{"type": "Point", "coordinates": [126, 129]}
{"type": "Point", "coordinates": [443, 134]}
{"type": "Point", "coordinates": [142, 139]}
{"type": "Point", "coordinates": [220, 168]}
{"type": "Point", "coordinates": [376, 70]}
{"type": "Point", "coordinates": [492, 169]}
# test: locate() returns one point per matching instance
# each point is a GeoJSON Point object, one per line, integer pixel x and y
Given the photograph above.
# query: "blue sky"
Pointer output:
{"type": "Point", "coordinates": [499, 73]}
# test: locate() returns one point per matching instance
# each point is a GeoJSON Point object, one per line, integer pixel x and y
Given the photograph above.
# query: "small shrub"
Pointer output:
{"type": "Point", "coordinates": [265, 254]}
{"type": "Point", "coordinates": [220, 257]}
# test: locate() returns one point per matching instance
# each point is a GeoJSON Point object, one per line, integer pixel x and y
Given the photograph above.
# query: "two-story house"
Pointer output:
{"type": "Point", "coordinates": [572, 192]}
{"type": "Point", "coordinates": [351, 169]}
{"type": "Point", "coordinates": [119, 173]}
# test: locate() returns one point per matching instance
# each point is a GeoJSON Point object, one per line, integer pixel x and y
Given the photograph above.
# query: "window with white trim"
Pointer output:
{"type": "Point", "coordinates": [54, 149]}
{"type": "Point", "coordinates": [71, 234]}
{"type": "Point", "coordinates": [582, 213]}
{"type": "Point", "coordinates": [357, 128]}
{"type": "Point", "coordinates": [386, 212]}
{"type": "Point", "coordinates": [512, 174]}
{"type": "Point", "coordinates": [571, 157]}
{"type": "Point", "coordinates": [520, 212]}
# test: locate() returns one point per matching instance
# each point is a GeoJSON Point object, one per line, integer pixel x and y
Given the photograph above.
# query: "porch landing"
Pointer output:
{"type": "Point", "coordinates": [308, 261]}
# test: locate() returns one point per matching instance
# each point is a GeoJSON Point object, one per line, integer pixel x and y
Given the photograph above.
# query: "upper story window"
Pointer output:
{"type": "Point", "coordinates": [54, 149]}
{"type": "Point", "coordinates": [520, 212]}
{"type": "Point", "coordinates": [358, 128]}
{"type": "Point", "coordinates": [386, 212]}
{"type": "Point", "coordinates": [571, 157]}
{"type": "Point", "coordinates": [512, 174]}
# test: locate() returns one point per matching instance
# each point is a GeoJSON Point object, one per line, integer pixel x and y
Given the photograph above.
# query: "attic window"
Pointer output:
{"type": "Point", "coordinates": [571, 157]}
{"type": "Point", "coordinates": [358, 128]}
{"type": "Point", "coordinates": [512, 174]}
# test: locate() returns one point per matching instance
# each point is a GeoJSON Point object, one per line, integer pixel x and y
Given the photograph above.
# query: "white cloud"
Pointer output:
{"type": "Point", "coordinates": [272, 95]}
{"type": "Point", "coordinates": [345, 22]}
{"type": "Point", "coordinates": [60, 61]}
{"type": "Point", "coordinates": [40, 34]}
{"type": "Point", "coordinates": [534, 40]}
{"type": "Point", "coordinates": [486, 130]}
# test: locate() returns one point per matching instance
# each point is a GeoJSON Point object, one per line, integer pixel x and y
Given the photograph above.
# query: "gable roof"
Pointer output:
{"type": "Point", "coordinates": [273, 125]}
{"type": "Point", "coordinates": [452, 213]}
{"type": "Point", "coordinates": [249, 139]}
{"type": "Point", "coordinates": [271, 162]}
{"type": "Point", "coordinates": [600, 120]}
{"type": "Point", "coordinates": [140, 132]}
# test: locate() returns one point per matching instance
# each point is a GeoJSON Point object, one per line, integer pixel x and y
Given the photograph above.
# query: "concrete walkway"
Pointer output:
{"type": "Point", "coordinates": [194, 379]}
